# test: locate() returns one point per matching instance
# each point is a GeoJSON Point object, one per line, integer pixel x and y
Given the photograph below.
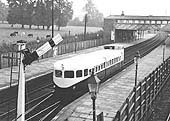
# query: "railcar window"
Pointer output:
{"type": "Point", "coordinates": [101, 66]}
{"type": "Point", "coordinates": [115, 60]}
{"type": "Point", "coordinates": [58, 73]}
{"type": "Point", "coordinates": [69, 74]}
{"type": "Point", "coordinates": [85, 72]}
{"type": "Point", "coordinates": [96, 68]}
{"type": "Point", "coordinates": [110, 62]}
{"type": "Point", "coordinates": [79, 73]}
{"type": "Point", "coordinates": [89, 71]}
{"type": "Point", "coordinates": [119, 58]}
{"type": "Point", "coordinates": [104, 64]}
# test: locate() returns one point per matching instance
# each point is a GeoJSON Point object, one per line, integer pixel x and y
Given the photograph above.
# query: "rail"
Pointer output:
{"type": "Point", "coordinates": [168, 119]}
{"type": "Point", "coordinates": [138, 105]}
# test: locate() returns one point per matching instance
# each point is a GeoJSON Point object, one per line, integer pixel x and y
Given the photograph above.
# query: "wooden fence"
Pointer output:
{"type": "Point", "coordinates": [138, 105]}
{"type": "Point", "coordinates": [61, 49]}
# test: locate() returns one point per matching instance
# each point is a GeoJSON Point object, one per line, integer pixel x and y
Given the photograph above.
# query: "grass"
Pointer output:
{"type": "Point", "coordinates": [6, 30]}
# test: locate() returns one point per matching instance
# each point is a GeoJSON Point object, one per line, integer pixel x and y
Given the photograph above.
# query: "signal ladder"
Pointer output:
{"type": "Point", "coordinates": [14, 72]}
{"type": "Point", "coordinates": [14, 65]}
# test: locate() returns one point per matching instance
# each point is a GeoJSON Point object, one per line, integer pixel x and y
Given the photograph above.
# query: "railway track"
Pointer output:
{"type": "Point", "coordinates": [42, 103]}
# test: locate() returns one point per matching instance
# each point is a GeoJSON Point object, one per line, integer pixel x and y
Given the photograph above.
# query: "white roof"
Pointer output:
{"type": "Point", "coordinates": [88, 60]}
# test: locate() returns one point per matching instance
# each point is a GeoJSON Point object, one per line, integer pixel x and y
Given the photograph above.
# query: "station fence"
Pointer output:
{"type": "Point", "coordinates": [138, 105]}
{"type": "Point", "coordinates": [5, 58]}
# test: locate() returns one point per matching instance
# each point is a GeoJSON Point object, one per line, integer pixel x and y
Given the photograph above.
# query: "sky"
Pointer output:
{"type": "Point", "coordinates": [130, 7]}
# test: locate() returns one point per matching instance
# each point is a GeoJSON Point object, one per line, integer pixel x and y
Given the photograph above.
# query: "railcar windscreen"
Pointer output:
{"type": "Point", "coordinates": [68, 74]}
{"type": "Point", "coordinates": [58, 73]}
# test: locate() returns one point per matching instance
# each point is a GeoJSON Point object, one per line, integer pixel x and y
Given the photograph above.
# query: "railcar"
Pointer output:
{"type": "Point", "coordinates": [73, 73]}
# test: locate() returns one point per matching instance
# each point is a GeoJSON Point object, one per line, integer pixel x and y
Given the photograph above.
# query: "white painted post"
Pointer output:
{"type": "Point", "coordinates": [21, 86]}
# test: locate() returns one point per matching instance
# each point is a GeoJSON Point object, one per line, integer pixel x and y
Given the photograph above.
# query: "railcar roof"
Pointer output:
{"type": "Point", "coordinates": [89, 60]}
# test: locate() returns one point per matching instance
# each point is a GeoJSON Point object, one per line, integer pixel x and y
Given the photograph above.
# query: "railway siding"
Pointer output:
{"type": "Point", "coordinates": [114, 92]}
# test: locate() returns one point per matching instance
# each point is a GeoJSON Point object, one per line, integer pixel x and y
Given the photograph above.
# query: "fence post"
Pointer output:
{"type": "Point", "coordinates": [161, 74]}
{"type": "Point", "coordinates": [134, 108]}
{"type": "Point", "coordinates": [140, 99]}
{"type": "Point", "coordinates": [153, 83]}
{"type": "Point", "coordinates": [156, 89]}
{"type": "Point", "coordinates": [117, 117]}
{"type": "Point", "coordinates": [145, 89]}
{"type": "Point", "coordinates": [8, 59]}
{"type": "Point", "coordinates": [0, 62]}
{"type": "Point", "coordinates": [149, 81]}
{"type": "Point", "coordinates": [168, 65]}
{"type": "Point", "coordinates": [127, 109]}
{"type": "Point", "coordinates": [159, 78]}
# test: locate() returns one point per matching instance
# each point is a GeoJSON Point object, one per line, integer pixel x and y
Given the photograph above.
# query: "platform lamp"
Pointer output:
{"type": "Point", "coordinates": [38, 41]}
{"type": "Point", "coordinates": [136, 59]}
{"type": "Point", "coordinates": [164, 46]}
{"type": "Point", "coordinates": [85, 26]}
{"type": "Point", "coordinates": [76, 39]}
{"type": "Point", "coordinates": [93, 85]}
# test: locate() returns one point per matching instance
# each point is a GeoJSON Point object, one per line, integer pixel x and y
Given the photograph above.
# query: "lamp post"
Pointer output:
{"type": "Point", "coordinates": [93, 85]}
{"type": "Point", "coordinates": [76, 37]}
{"type": "Point", "coordinates": [85, 24]}
{"type": "Point", "coordinates": [164, 46]}
{"type": "Point", "coordinates": [136, 59]}
{"type": "Point", "coordinates": [97, 36]}
{"type": "Point", "coordinates": [38, 40]}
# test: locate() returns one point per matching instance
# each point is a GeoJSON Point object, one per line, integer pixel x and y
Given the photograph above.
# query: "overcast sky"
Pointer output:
{"type": "Point", "coordinates": [130, 7]}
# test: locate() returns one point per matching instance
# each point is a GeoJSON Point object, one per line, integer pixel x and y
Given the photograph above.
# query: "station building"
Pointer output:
{"type": "Point", "coordinates": [127, 28]}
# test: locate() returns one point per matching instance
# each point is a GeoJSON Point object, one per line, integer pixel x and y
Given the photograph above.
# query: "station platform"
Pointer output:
{"type": "Point", "coordinates": [45, 66]}
{"type": "Point", "coordinates": [114, 91]}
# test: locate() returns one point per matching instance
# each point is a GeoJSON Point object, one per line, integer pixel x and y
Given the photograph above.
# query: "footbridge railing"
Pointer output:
{"type": "Point", "coordinates": [138, 105]}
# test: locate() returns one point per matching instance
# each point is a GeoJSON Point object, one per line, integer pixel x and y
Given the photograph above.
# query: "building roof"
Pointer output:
{"type": "Point", "coordinates": [135, 27]}
{"type": "Point", "coordinates": [133, 17]}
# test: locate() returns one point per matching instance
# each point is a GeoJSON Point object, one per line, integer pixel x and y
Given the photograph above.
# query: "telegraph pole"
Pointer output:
{"type": "Point", "coordinates": [85, 24]}
{"type": "Point", "coordinates": [52, 17]}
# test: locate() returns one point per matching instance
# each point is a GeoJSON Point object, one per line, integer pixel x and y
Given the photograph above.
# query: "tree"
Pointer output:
{"type": "Point", "coordinates": [75, 22]}
{"type": "Point", "coordinates": [17, 9]}
{"type": "Point", "coordinates": [48, 14]}
{"type": "Point", "coordinates": [3, 11]}
{"type": "Point", "coordinates": [39, 13]}
{"type": "Point", "coordinates": [95, 18]}
{"type": "Point", "coordinates": [28, 13]}
{"type": "Point", "coordinates": [64, 12]}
